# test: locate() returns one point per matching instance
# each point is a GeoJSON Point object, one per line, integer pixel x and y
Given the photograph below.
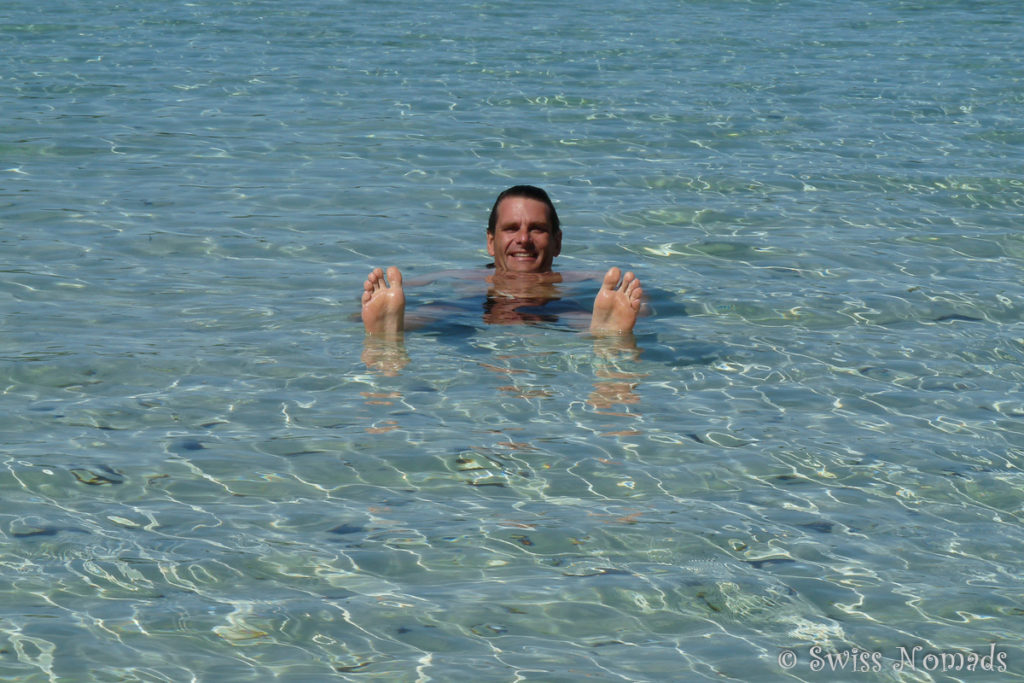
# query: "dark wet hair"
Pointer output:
{"type": "Point", "coordinates": [529, 192]}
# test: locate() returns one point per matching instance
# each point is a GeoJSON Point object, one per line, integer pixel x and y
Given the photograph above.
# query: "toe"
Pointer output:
{"type": "Point", "coordinates": [394, 276]}
{"type": "Point", "coordinates": [377, 279]}
{"type": "Point", "coordinates": [628, 280]}
{"type": "Point", "coordinates": [611, 278]}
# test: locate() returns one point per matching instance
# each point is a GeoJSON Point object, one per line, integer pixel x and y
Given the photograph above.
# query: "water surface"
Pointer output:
{"type": "Point", "coordinates": [819, 443]}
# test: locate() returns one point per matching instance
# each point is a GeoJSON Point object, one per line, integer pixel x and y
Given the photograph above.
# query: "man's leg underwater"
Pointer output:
{"type": "Point", "coordinates": [384, 320]}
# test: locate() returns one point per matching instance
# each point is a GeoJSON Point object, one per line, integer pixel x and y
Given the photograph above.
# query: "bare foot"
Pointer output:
{"type": "Point", "coordinates": [616, 305]}
{"type": "Point", "coordinates": [384, 305]}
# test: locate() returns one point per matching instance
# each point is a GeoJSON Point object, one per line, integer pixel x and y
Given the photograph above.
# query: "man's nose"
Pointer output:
{"type": "Point", "coordinates": [523, 235]}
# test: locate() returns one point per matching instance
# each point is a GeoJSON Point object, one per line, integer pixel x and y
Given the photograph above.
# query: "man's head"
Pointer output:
{"type": "Point", "coordinates": [523, 232]}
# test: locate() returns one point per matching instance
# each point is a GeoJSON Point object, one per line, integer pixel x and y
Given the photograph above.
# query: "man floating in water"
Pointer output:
{"type": "Point", "coordinates": [524, 237]}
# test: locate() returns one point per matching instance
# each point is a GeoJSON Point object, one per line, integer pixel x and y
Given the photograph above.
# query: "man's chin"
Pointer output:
{"type": "Point", "coordinates": [535, 270]}
{"type": "Point", "coordinates": [523, 266]}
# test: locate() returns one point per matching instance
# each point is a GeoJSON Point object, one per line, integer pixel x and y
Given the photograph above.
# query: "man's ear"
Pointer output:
{"type": "Point", "coordinates": [490, 243]}
{"type": "Point", "coordinates": [558, 242]}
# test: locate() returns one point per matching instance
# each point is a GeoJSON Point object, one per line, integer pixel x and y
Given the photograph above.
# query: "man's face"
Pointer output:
{"type": "Point", "coordinates": [523, 240]}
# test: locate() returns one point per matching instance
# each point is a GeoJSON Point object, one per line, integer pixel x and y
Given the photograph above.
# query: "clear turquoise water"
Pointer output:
{"type": "Point", "coordinates": [820, 443]}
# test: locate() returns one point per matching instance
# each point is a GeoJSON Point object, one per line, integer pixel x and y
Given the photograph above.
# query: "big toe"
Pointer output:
{"type": "Point", "coordinates": [394, 276]}
{"type": "Point", "coordinates": [611, 278]}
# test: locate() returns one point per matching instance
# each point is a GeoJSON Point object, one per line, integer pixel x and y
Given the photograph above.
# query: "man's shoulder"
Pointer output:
{"type": "Point", "coordinates": [466, 274]}
{"type": "Point", "coordinates": [486, 272]}
{"type": "Point", "coordinates": [580, 275]}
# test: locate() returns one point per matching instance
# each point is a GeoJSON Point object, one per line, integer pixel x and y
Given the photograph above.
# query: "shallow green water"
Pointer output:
{"type": "Point", "coordinates": [818, 444]}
